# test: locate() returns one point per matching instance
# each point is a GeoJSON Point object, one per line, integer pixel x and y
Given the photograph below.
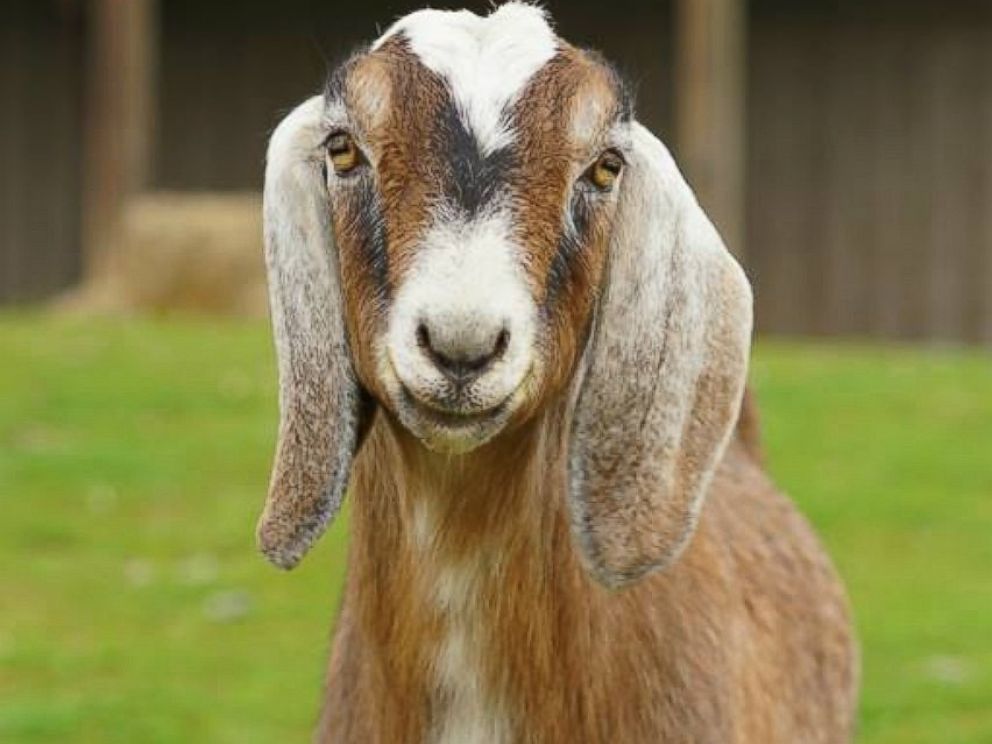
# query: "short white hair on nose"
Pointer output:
{"type": "Point", "coordinates": [464, 300]}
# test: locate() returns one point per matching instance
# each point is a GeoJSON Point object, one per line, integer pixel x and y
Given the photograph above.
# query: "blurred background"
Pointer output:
{"type": "Point", "coordinates": [843, 148]}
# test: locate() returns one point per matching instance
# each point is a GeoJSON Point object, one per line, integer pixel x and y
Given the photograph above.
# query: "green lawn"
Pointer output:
{"type": "Point", "coordinates": [134, 458]}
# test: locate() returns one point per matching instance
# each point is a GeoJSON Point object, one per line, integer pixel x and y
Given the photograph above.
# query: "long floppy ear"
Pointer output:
{"type": "Point", "coordinates": [663, 378]}
{"type": "Point", "coordinates": [320, 401]}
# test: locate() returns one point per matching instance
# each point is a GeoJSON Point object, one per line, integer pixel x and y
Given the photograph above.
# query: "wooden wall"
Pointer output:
{"type": "Point", "coordinates": [869, 138]}
{"type": "Point", "coordinates": [41, 83]}
{"type": "Point", "coordinates": [870, 168]}
{"type": "Point", "coordinates": [226, 79]}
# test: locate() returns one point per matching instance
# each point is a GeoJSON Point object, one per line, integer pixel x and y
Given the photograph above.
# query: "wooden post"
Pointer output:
{"type": "Point", "coordinates": [119, 112]}
{"type": "Point", "coordinates": [709, 108]}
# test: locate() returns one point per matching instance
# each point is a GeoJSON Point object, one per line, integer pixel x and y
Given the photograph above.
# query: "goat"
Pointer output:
{"type": "Point", "coordinates": [505, 326]}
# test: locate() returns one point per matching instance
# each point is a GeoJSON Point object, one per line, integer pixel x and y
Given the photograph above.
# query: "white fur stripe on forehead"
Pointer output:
{"type": "Point", "coordinates": [487, 61]}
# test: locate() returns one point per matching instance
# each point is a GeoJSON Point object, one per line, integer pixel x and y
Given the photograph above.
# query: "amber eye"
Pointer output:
{"type": "Point", "coordinates": [343, 152]}
{"type": "Point", "coordinates": [605, 170]}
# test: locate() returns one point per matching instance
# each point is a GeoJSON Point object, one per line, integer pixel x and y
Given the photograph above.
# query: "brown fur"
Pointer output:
{"type": "Point", "coordinates": [406, 172]}
{"type": "Point", "coordinates": [543, 180]}
{"type": "Point", "coordinates": [745, 639]}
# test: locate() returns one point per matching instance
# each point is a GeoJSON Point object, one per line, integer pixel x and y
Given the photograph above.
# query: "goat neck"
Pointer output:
{"type": "Point", "coordinates": [463, 580]}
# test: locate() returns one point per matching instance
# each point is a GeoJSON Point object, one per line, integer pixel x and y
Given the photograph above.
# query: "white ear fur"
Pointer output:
{"type": "Point", "coordinates": [319, 399]}
{"type": "Point", "coordinates": [664, 375]}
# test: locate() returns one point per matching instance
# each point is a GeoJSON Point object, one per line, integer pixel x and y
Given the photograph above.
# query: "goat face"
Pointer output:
{"type": "Point", "coordinates": [471, 207]}
{"type": "Point", "coordinates": [468, 224]}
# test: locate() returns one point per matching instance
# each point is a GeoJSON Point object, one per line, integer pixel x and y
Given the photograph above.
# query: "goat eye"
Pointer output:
{"type": "Point", "coordinates": [343, 153]}
{"type": "Point", "coordinates": [605, 170]}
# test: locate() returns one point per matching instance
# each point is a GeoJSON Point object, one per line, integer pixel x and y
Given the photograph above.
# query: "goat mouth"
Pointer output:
{"type": "Point", "coordinates": [447, 425]}
{"type": "Point", "coordinates": [451, 432]}
{"type": "Point", "coordinates": [450, 418]}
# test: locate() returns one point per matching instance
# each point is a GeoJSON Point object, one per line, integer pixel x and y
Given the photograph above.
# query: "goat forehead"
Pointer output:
{"type": "Point", "coordinates": [486, 61]}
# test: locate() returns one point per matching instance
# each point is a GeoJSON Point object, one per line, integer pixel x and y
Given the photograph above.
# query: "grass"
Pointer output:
{"type": "Point", "coordinates": [133, 460]}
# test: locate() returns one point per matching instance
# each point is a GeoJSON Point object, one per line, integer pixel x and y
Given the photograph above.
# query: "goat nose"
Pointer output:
{"type": "Point", "coordinates": [465, 356]}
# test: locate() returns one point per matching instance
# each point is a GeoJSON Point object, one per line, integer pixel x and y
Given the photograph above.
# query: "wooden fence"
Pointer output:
{"type": "Point", "coordinates": [870, 170]}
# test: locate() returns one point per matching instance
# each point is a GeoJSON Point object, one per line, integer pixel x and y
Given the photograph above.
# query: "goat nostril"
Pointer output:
{"type": "Point", "coordinates": [461, 365]}
{"type": "Point", "coordinates": [502, 341]}
{"type": "Point", "coordinates": [424, 338]}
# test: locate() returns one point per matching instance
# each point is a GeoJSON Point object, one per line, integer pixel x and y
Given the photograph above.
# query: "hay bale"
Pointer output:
{"type": "Point", "coordinates": [182, 251]}
{"type": "Point", "coordinates": [193, 252]}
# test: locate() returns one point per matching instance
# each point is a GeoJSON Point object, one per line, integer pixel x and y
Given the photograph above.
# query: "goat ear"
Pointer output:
{"type": "Point", "coordinates": [663, 375]}
{"type": "Point", "coordinates": [320, 401]}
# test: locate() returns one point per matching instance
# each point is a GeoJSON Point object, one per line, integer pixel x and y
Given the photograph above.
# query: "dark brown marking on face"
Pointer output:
{"type": "Point", "coordinates": [474, 180]}
{"type": "Point", "coordinates": [562, 221]}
